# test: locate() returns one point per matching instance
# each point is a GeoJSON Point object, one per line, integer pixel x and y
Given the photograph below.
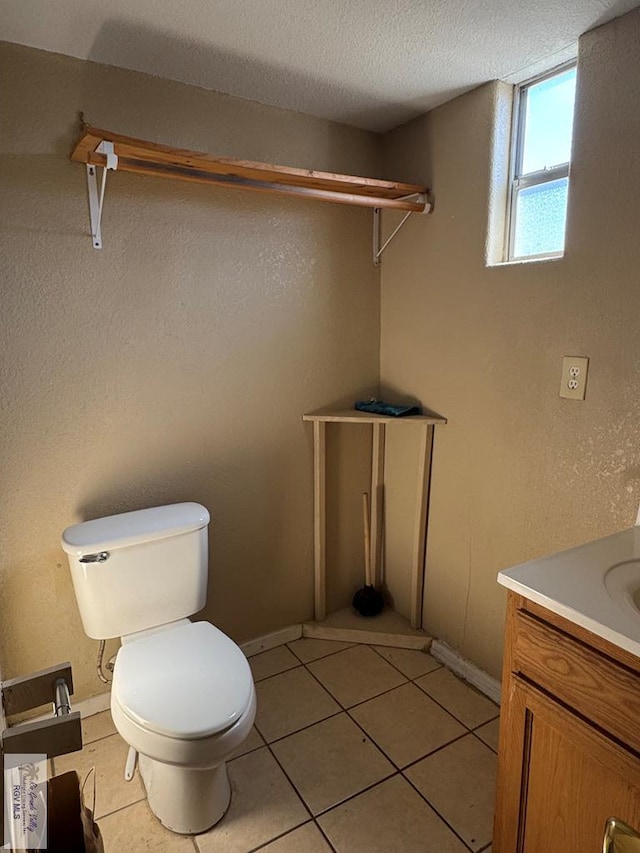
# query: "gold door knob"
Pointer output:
{"type": "Point", "coordinates": [619, 837]}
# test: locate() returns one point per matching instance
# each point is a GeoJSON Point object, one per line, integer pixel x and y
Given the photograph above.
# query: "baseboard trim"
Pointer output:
{"type": "Point", "coordinates": [442, 652]}
{"type": "Point", "coordinates": [450, 658]}
{"type": "Point", "coordinates": [93, 705]}
{"type": "Point", "coordinates": [102, 702]}
{"type": "Point", "coordinates": [318, 631]}
{"type": "Point", "coordinates": [272, 641]}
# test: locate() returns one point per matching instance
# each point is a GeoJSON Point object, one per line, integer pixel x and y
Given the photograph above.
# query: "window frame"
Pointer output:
{"type": "Point", "coordinates": [518, 181]}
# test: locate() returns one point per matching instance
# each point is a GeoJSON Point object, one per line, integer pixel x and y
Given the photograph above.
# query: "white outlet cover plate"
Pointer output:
{"type": "Point", "coordinates": [574, 377]}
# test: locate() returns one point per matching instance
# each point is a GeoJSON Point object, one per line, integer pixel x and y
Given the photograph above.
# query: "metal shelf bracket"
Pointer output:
{"type": "Point", "coordinates": [377, 248]}
{"type": "Point", "coordinates": [96, 199]}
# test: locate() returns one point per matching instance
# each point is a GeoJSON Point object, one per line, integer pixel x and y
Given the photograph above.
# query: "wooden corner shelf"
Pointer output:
{"type": "Point", "coordinates": [355, 416]}
{"type": "Point", "coordinates": [426, 424]}
{"type": "Point", "coordinates": [388, 629]}
{"type": "Point", "coordinates": [97, 147]}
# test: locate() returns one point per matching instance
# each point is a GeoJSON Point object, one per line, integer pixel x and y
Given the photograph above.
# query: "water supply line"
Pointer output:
{"type": "Point", "coordinates": [99, 668]}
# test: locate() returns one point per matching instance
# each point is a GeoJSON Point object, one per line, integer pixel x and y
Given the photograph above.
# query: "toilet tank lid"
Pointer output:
{"type": "Point", "coordinates": [134, 528]}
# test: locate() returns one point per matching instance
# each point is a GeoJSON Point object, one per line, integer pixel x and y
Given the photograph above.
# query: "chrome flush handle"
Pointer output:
{"type": "Point", "coordinates": [95, 558]}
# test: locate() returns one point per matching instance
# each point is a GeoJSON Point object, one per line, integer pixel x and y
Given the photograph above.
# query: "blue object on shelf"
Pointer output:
{"type": "Point", "coordinates": [379, 407]}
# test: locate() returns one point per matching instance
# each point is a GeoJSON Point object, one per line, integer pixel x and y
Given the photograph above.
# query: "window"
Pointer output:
{"type": "Point", "coordinates": [543, 129]}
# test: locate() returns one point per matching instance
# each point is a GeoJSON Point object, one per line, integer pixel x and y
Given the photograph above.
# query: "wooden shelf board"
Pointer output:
{"type": "Point", "coordinates": [150, 158]}
{"type": "Point", "coordinates": [387, 629]}
{"type": "Point", "coordinates": [353, 416]}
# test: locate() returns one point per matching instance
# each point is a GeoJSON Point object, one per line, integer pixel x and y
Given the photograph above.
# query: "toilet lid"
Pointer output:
{"type": "Point", "coordinates": [186, 682]}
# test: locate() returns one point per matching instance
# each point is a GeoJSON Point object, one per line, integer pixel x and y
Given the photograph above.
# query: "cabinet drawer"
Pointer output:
{"type": "Point", "coordinates": [596, 687]}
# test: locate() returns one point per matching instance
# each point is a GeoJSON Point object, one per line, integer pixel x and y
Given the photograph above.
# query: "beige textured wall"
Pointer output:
{"type": "Point", "coordinates": [519, 472]}
{"type": "Point", "coordinates": [175, 363]}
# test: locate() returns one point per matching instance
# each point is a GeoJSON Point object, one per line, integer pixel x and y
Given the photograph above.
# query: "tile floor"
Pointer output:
{"type": "Point", "coordinates": [356, 749]}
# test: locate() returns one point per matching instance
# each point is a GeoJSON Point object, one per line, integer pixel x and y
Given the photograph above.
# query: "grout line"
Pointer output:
{"type": "Point", "coordinates": [343, 708]}
{"type": "Point", "coordinates": [345, 799]}
{"type": "Point", "coordinates": [121, 809]}
{"type": "Point", "coordinates": [317, 680]}
{"type": "Point", "coordinates": [444, 708]}
{"type": "Point", "coordinates": [407, 680]}
{"type": "Point", "coordinates": [396, 771]}
{"type": "Point", "coordinates": [311, 822]}
{"type": "Point", "coordinates": [347, 707]}
{"type": "Point", "coordinates": [357, 794]}
{"type": "Point", "coordinates": [377, 746]}
{"type": "Point", "coordinates": [401, 770]}
{"type": "Point", "coordinates": [276, 674]}
{"type": "Point", "coordinates": [298, 794]}
{"type": "Point", "coordinates": [434, 751]}
{"type": "Point", "coordinates": [369, 737]}
{"type": "Point", "coordinates": [492, 720]}
{"type": "Point", "coordinates": [451, 713]}
{"type": "Point", "coordinates": [495, 751]}
{"type": "Point", "coordinates": [442, 818]}
{"type": "Point", "coordinates": [328, 655]}
{"type": "Point", "coordinates": [284, 834]}
{"type": "Point", "coordinates": [248, 752]}
{"type": "Point", "coordinates": [439, 666]}
{"type": "Point", "coordinates": [102, 737]}
{"type": "Point", "coordinates": [377, 696]}
{"type": "Point", "coordinates": [273, 674]}
{"type": "Point", "coordinates": [325, 836]}
{"type": "Point", "coordinates": [412, 763]}
{"type": "Point", "coordinates": [296, 731]}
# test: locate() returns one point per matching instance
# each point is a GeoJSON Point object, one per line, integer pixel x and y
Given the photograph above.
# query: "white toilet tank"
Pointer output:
{"type": "Point", "coordinates": [139, 569]}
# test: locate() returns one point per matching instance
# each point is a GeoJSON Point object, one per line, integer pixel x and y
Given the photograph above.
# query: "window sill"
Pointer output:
{"type": "Point", "coordinates": [543, 259]}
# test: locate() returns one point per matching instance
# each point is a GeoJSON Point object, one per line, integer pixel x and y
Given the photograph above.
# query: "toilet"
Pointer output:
{"type": "Point", "coordinates": [182, 693]}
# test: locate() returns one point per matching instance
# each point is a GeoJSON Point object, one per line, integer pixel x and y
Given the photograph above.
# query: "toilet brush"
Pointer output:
{"type": "Point", "coordinates": [368, 601]}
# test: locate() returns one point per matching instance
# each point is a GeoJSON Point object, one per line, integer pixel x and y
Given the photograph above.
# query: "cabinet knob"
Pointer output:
{"type": "Point", "coordinates": [619, 837]}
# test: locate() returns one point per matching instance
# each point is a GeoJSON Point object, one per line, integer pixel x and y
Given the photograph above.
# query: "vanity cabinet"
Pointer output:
{"type": "Point", "coordinates": [569, 754]}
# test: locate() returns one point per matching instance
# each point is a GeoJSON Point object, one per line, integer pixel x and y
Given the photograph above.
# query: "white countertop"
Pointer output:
{"type": "Point", "coordinates": [572, 584]}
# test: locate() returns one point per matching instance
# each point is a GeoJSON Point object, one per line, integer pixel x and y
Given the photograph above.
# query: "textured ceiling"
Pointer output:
{"type": "Point", "coordinates": [368, 63]}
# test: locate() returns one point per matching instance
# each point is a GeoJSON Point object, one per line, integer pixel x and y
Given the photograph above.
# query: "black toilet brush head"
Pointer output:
{"type": "Point", "coordinates": [368, 601]}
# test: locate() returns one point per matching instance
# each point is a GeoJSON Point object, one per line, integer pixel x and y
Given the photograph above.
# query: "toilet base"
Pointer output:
{"type": "Point", "coordinates": [186, 800]}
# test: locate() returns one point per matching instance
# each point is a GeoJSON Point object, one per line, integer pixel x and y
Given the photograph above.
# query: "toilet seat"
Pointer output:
{"type": "Point", "coordinates": [188, 682]}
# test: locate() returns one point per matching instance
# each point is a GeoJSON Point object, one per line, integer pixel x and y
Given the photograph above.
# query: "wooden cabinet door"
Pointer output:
{"type": "Point", "coordinates": [563, 779]}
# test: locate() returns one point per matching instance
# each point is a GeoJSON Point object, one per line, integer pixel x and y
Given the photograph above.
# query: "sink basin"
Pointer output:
{"type": "Point", "coordinates": [595, 585]}
{"type": "Point", "coordinates": [622, 582]}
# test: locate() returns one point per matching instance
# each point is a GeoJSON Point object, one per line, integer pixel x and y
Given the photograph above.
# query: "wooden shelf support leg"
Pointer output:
{"type": "Point", "coordinates": [319, 519]}
{"type": "Point", "coordinates": [420, 530]}
{"type": "Point", "coordinates": [377, 501]}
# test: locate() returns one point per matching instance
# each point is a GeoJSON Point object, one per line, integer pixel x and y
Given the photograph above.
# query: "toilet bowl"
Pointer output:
{"type": "Point", "coordinates": [182, 693]}
{"type": "Point", "coordinates": [183, 698]}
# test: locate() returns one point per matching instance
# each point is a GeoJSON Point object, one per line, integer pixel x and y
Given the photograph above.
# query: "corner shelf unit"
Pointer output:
{"type": "Point", "coordinates": [426, 424]}
{"type": "Point", "coordinates": [112, 151]}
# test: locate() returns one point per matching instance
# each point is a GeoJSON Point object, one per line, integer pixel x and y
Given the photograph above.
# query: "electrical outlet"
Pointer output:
{"type": "Point", "coordinates": [574, 377]}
